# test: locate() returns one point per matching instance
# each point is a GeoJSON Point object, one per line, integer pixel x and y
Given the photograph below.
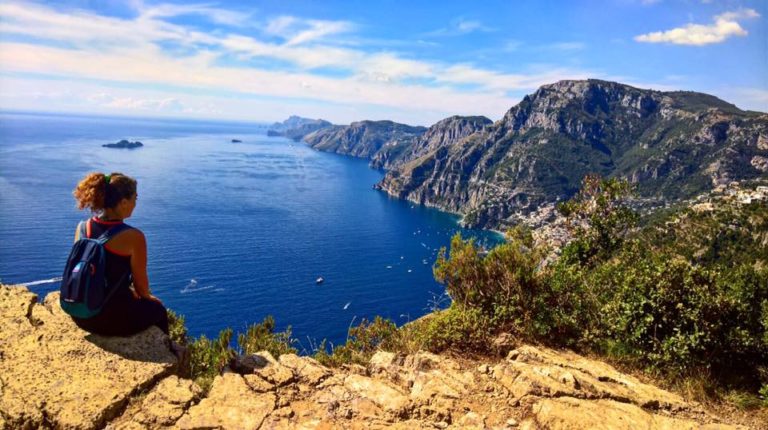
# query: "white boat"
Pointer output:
{"type": "Point", "coordinates": [319, 280]}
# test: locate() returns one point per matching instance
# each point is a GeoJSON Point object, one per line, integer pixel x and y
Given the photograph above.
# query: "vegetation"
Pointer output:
{"type": "Point", "coordinates": [209, 356]}
{"type": "Point", "coordinates": [685, 297]}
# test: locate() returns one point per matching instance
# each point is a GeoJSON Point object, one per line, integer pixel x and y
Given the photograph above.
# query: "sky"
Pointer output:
{"type": "Point", "coordinates": [412, 61]}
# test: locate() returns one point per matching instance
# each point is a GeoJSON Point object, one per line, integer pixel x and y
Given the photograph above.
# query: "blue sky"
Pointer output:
{"type": "Point", "coordinates": [414, 62]}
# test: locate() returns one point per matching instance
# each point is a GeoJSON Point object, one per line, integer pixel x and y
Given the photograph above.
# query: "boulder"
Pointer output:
{"type": "Point", "coordinates": [567, 413]}
{"type": "Point", "coordinates": [231, 404]}
{"type": "Point", "coordinates": [53, 374]}
{"type": "Point", "coordinates": [542, 372]}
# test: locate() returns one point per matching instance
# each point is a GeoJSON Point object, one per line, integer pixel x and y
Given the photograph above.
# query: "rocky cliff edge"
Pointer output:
{"type": "Point", "coordinates": [54, 375]}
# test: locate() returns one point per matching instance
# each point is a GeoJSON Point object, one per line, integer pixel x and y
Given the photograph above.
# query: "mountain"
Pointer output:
{"type": "Point", "coordinates": [672, 145]}
{"type": "Point", "coordinates": [296, 127]}
{"type": "Point", "coordinates": [443, 133]}
{"type": "Point", "coordinates": [362, 139]}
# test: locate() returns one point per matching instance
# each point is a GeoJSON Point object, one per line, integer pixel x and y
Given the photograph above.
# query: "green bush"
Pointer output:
{"type": "Point", "coordinates": [457, 328]}
{"type": "Point", "coordinates": [209, 356]}
{"type": "Point", "coordinates": [363, 341]}
{"type": "Point", "coordinates": [262, 337]}
{"type": "Point", "coordinates": [177, 328]}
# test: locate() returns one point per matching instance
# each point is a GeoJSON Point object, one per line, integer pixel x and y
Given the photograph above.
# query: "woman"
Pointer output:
{"type": "Point", "coordinates": [132, 308]}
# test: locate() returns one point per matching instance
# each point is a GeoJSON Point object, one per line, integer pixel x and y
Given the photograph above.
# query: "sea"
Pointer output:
{"type": "Point", "coordinates": [239, 225]}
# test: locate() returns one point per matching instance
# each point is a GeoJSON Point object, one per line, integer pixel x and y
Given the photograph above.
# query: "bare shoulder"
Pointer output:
{"type": "Point", "coordinates": [135, 235]}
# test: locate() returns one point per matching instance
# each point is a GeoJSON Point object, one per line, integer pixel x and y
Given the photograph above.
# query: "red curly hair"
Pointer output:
{"type": "Point", "coordinates": [95, 193]}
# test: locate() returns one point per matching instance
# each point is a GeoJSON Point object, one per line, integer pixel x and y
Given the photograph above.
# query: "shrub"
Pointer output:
{"type": "Point", "coordinates": [457, 328]}
{"type": "Point", "coordinates": [363, 341]}
{"type": "Point", "coordinates": [599, 218]}
{"type": "Point", "coordinates": [262, 337]}
{"type": "Point", "coordinates": [177, 328]}
{"type": "Point", "coordinates": [209, 356]}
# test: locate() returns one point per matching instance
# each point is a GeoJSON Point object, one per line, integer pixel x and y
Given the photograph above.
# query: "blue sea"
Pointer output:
{"type": "Point", "coordinates": [235, 231]}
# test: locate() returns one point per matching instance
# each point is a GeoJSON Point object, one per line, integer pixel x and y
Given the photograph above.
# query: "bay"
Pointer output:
{"type": "Point", "coordinates": [236, 230]}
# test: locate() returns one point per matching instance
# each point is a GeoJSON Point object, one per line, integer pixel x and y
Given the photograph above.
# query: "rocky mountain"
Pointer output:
{"type": "Point", "coordinates": [673, 145]}
{"type": "Point", "coordinates": [362, 139]}
{"type": "Point", "coordinates": [443, 133]}
{"type": "Point", "coordinates": [55, 375]}
{"type": "Point", "coordinates": [296, 127]}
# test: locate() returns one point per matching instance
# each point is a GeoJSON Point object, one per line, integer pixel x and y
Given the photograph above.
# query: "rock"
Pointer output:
{"type": "Point", "coordinates": [307, 369]}
{"type": "Point", "coordinates": [762, 142]}
{"type": "Point", "coordinates": [247, 364]}
{"type": "Point", "coordinates": [568, 413]}
{"type": "Point", "coordinates": [471, 421]}
{"type": "Point", "coordinates": [380, 393]}
{"type": "Point", "coordinates": [231, 404]}
{"type": "Point", "coordinates": [162, 406]}
{"type": "Point", "coordinates": [52, 373]}
{"type": "Point", "coordinates": [760, 163]}
{"type": "Point", "coordinates": [273, 371]}
{"type": "Point", "coordinates": [124, 144]}
{"type": "Point", "coordinates": [503, 342]}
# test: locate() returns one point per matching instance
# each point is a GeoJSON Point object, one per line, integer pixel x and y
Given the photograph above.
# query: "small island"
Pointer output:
{"type": "Point", "coordinates": [237, 141]}
{"type": "Point", "coordinates": [124, 144]}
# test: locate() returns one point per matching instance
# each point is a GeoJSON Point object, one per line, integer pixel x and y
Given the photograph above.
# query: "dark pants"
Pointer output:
{"type": "Point", "coordinates": [125, 316]}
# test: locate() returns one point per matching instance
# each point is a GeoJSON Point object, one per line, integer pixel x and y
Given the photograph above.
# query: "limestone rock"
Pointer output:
{"type": "Point", "coordinates": [567, 413]}
{"type": "Point", "coordinates": [161, 407]}
{"type": "Point", "coordinates": [307, 369]}
{"type": "Point", "coordinates": [231, 404]}
{"type": "Point", "coordinates": [380, 393]}
{"type": "Point", "coordinates": [52, 373]}
{"type": "Point", "coordinates": [760, 163]}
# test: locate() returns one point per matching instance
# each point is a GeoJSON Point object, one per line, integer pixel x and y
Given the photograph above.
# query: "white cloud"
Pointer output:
{"type": "Point", "coordinates": [118, 52]}
{"type": "Point", "coordinates": [220, 16]}
{"type": "Point", "coordinates": [725, 26]}
{"type": "Point", "coordinates": [461, 26]}
{"type": "Point", "coordinates": [297, 31]}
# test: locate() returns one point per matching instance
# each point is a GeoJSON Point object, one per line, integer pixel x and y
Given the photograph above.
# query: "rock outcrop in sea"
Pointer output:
{"type": "Point", "coordinates": [124, 144]}
{"type": "Point", "coordinates": [54, 375]}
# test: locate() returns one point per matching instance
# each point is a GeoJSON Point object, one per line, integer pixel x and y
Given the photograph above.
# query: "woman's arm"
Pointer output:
{"type": "Point", "coordinates": [139, 265]}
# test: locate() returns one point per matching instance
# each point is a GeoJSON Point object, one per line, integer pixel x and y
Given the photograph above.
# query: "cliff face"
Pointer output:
{"type": "Point", "coordinates": [362, 139]}
{"type": "Point", "coordinates": [54, 375]}
{"type": "Point", "coordinates": [671, 144]}
{"type": "Point", "coordinates": [296, 127]}
{"type": "Point", "coordinates": [442, 134]}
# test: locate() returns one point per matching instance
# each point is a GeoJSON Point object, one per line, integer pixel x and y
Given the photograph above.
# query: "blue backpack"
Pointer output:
{"type": "Point", "coordinates": [84, 287]}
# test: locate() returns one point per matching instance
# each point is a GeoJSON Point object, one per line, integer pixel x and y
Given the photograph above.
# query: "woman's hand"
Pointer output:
{"type": "Point", "coordinates": [147, 297]}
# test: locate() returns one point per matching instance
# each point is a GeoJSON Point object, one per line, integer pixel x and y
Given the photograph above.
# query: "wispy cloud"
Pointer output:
{"type": "Point", "coordinates": [297, 31]}
{"type": "Point", "coordinates": [459, 27]}
{"type": "Point", "coordinates": [133, 51]}
{"type": "Point", "coordinates": [725, 25]}
{"type": "Point", "coordinates": [220, 16]}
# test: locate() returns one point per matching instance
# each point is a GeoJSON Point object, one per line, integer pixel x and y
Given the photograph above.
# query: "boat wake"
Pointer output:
{"type": "Point", "coordinates": [41, 282]}
{"type": "Point", "coordinates": [193, 288]}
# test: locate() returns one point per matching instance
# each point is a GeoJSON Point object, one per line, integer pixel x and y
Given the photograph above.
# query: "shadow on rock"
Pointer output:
{"type": "Point", "coordinates": [150, 346]}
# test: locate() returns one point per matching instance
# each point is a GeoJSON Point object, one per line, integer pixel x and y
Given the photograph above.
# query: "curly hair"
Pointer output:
{"type": "Point", "coordinates": [95, 193]}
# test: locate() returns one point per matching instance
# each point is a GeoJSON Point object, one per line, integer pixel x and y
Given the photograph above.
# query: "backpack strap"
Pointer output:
{"type": "Point", "coordinates": [112, 232]}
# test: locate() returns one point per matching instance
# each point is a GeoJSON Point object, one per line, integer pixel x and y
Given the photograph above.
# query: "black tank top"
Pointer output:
{"type": "Point", "coordinates": [118, 266]}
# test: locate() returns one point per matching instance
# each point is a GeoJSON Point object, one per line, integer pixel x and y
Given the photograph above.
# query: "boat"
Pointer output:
{"type": "Point", "coordinates": [319, 280]}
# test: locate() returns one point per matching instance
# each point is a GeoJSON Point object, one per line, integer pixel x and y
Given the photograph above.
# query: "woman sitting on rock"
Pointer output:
{"type": "Point", "coordinates": [132, 308]}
